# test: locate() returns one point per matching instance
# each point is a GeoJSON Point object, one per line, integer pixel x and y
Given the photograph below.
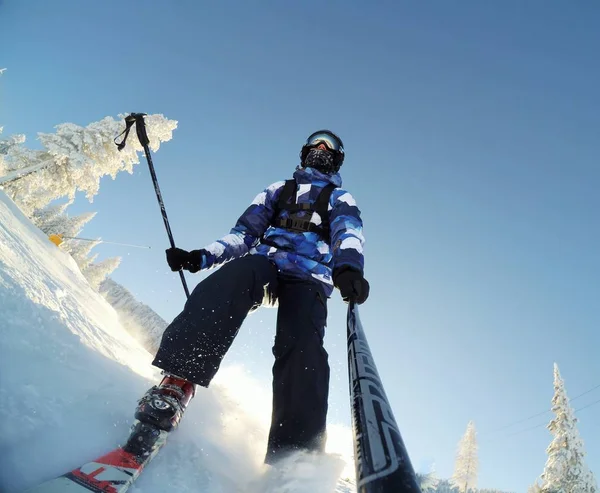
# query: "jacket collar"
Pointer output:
{"type": "Point", "coordinates": [311, 175]}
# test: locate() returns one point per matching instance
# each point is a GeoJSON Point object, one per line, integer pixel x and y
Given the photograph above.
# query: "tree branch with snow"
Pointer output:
{"type": "Point", "coordinates": [74, 159]}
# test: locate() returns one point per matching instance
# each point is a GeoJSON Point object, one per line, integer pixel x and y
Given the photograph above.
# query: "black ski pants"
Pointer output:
{"type": "Point", "coordinates": [194, 344]}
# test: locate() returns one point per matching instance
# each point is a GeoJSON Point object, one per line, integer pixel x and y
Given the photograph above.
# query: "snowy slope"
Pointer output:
{"type": "Point", "coordinates": [70, 376]}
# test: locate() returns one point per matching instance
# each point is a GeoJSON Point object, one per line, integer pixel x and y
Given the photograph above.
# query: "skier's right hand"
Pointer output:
{"type": "Point", "coordinates": [182, 259]}
{"type": "Point", "coordinates": [352, 284]}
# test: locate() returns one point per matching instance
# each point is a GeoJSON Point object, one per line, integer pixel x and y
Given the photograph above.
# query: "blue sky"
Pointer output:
{"type": "Point", "coordinates": [471, 133]}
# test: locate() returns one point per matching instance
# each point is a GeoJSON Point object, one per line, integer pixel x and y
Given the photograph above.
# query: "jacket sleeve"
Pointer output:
{"type": "Point", "coordinates": [247, 231]}
{"type": "Point", "coordinates": [347, 238]}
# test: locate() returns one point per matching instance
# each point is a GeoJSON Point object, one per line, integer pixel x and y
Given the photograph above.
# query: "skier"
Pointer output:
{"type": "Point", "coordinates": [297, 240]}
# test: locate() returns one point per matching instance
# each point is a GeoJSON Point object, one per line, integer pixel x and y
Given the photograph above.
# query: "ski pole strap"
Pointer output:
{"type": "Point", "coordinates": [140, 127]}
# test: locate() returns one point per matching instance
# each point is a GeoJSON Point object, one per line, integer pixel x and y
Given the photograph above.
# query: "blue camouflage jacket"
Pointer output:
{"type": "Point", "coordinates": [300, 255]}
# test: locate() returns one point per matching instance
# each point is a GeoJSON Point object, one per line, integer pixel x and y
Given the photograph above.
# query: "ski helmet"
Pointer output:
{"type": "Point", "coordinates": [333, 143]}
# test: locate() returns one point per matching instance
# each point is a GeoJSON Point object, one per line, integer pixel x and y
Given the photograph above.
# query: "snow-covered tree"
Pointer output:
{"type": "Point", "coordinates": [534, 488]}
{"type": "Point", "coordinates": [467, 463]}
{"type": "Point", "coordinates": [54, 220]}
{"type": "Point", "coordinates": [71, 226]}
{"type": "Point", "coordinates": [7, 146]}
{"type": "Point", "coordinates": [428, 481]}
{"type": "Point", "coordinates": [565, 470]}
{"type": "Point", "coordinates": [80, 251]}
{"type": "Point", "coordinates": [138, 319]}
{"type": "Point", "coordinates": [17, 162]}
{"type": "Point", "coordinates": [96, 273]}
{"type": "Point", "coordinates": [444, 486]}
{"type": "Point", "coordinates": [51, 219]}
{"type": "Point", "coordinates": [486, 490]}
{"type": "Point", "coordinates": [74, 159]}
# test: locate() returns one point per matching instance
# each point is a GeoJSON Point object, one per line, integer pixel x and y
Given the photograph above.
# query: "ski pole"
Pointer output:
{"type": "Point", "coordinates": [380, 457]}
{"type": "Point", "coordinates": [140, 128]}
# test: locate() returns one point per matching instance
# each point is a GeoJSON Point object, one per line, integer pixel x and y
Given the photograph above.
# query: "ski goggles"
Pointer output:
{"type": "Point", "coordinates": [331, 142]}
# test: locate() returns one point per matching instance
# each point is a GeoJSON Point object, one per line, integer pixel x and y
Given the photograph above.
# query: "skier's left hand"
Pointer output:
{"type": "Point", "coordinates": [352, 285]}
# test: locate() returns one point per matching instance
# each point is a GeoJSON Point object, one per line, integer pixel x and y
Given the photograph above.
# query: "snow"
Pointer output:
{"type": "Point", "coordinates": [70, 377]}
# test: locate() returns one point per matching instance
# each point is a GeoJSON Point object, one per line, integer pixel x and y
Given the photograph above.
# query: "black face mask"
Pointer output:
{"type": "Point", "coordinates": [320, 160]}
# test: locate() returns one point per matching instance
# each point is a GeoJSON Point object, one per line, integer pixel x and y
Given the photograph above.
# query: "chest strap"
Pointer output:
{"type": "Point", "coordinates": [287, 201]}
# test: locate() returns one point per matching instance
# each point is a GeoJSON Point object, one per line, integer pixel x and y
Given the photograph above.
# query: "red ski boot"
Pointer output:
{"type": "Point", "coordinates": [163, 405]}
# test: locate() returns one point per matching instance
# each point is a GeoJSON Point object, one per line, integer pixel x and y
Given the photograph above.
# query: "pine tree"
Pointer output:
{"type": "Point", "coordinates": [80, 251]}
{"type": "Point", "coordinates": [50, 218]}
{"type": "Point", "coordinates": [534, 488]}
{"type": "Point", "coordinates": [467, 463]}
{"type": "Point", "coordinates": [96, 273]}
{"type": "Point", "coordinates": [7, 146]}
{"type": "Point", "coordinates": [137, 318]}
{"type": "Point", "coordinates": [445, 486]}
{"type": "Point", "coordinates": [13, 158]}
{"type": "Point", "coordinates": [72, 226]}
{"type": "Point", "coordinates": [428, 481]}
{"type": "Point", "coordinates": [565, 470]}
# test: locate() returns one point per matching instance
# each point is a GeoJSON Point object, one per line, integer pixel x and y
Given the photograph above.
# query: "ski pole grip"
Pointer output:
{"type": "Point", "coordinates": [140, 128]}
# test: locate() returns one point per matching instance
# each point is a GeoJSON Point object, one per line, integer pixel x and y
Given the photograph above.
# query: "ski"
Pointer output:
{"type": "Point", "coordinates": [114, 472]}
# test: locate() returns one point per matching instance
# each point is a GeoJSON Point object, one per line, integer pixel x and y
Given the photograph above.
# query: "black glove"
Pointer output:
{"type": "Point", "coordinates": [182, 259]}
{"type": "Point", "coordinates": [352, 285]}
